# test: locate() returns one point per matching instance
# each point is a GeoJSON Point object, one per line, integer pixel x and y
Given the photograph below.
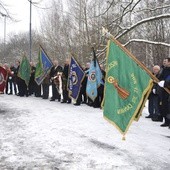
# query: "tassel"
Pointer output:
{"type": "Point", "coordinates": [123, 138]}
{"type": "Point", "coordinates": [123, 93]}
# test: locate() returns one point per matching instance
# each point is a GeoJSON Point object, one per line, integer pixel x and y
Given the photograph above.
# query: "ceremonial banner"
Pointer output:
{"type": "Point", "coordinates": [94, 79]}
{"type": "Point", "coordinates": [76, 76]}
{"type": "Point", "coordinates": [127, 87]}
{"type": "Point", "coordinates": [43, 67]}
{"type": "Point", "coordinates": [24, 71]}
{"type": "Point", "coordinates": [3, 78]}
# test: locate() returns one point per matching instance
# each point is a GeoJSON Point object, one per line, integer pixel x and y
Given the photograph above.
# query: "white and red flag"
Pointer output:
{"type": "Point", "coordinates": [3, 78]}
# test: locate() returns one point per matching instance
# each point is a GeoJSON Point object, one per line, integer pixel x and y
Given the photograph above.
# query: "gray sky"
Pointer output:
{"type": "Point", "coordinates": [20, 10]}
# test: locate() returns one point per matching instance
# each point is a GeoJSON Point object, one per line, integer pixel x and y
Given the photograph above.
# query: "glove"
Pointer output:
{"type": "Point", "coordinates": [161, 83]}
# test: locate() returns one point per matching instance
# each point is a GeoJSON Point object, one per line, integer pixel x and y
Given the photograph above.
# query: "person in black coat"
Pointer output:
{"type": "Point", "coordinates": [166, 84]}
{"type": "Point", "coordinates": [54, 71]}
{"type": "Point", "coordinates": [32, 83]}
{"type": "Point", "coordinates": [82, 97]}
{"type": "Point", "coordinates": [19, 81]}
{"type": "Point", "coordinates": [165, 75]}
{"type": "Point", "coordinates": [12, 80]}
{"type": "Point", "coordinates": [100, 90]}
{"type": "Point", "coordinates": [154, 98]}
{"type": "Point", "coordinates": [45, 87]}
{"type": "Point", "coordinates": [66, 98]}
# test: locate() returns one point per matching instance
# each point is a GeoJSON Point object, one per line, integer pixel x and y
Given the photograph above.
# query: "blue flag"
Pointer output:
{"type": "Point", "coordinates": [94, 79]}
{"type": "Point", "coordinates": [76, 76]}
{"type": "Point", "coordinates": [43, 67]}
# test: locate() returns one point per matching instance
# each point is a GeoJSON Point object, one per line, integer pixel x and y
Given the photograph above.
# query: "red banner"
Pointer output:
{"type": "Point", "coordinates": [3, 78]}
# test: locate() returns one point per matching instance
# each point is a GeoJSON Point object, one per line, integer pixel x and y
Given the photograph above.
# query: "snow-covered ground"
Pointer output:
{"type": "Point", "coordinates": [37, 134]}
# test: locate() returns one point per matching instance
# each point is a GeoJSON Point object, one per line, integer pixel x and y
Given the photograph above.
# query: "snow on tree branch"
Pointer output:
{"type": "Point", "coordinates": [142, 22]}
{"type": "Point", "coordinates": [147, 41]}
{"type": "Point", "coordinates": [124, 12]}
{"type": "Point", "coordinates": [154, 9]}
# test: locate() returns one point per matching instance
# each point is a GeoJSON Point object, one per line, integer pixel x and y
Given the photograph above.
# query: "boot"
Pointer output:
{"type": "Point", "coordinates": [149, 116]}
{"type": "Point", "coordinates": [166, 124]}
{"type": "Point", "coordinates": [157, 118]}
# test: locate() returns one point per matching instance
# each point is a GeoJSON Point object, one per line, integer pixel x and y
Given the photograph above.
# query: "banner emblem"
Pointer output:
{"type": "Point", "coordinates": [74, 78]}
{"type": "Point", "coordinates": [92, 76]}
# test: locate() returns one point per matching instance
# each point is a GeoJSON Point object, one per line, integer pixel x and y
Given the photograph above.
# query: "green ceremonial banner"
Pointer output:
{"type": "Point", "coordinates": [39, 67]}
{"type": "Point", "coordinates": [24, 70]}
{"type": "Point", "coordinates": [43, 66]}
{"type": "Point", "coordinates": [127, 87]}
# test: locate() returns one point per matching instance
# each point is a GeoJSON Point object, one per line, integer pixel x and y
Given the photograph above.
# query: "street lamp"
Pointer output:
{"type": "Point", "coordinates": [5, 16]}
{"type": "Point", "coordinates": [30, 32]}
{"type": "Point", "coordinates": [30, 29]}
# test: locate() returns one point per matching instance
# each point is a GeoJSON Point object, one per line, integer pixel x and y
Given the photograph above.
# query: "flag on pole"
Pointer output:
{"type": "Point", "coordinates": [43, 67]}
{"type": "Point", "coordinates": [94, 78]}
{"type": "Point", "coordinates": [3, 78]}
{"type": "Point", "coordinates": [76, 76]}
{"type": "Point", "coordinates": [24, 71]}
{"type": "Point", "coordinates": [127, 87]}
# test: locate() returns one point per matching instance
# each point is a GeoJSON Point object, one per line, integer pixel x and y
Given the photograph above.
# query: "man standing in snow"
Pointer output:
{"type": "Point", "coordinates": [154, 98]}
{"type": "Point", "coordinates": [166, 84]}
{"type": "Point", "coordinates": [66, 98]}
{"type": "Point", "coordinates": [32, 83]}
{"type": "Point", "coordinates": [54, 70]}
{"type": "Point", "coordinates": [165, 110]}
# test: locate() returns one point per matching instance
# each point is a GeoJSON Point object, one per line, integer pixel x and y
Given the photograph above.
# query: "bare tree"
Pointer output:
{"type": "Point", "coordinates": [17, 45]}
{"type": "Point", "coordinates": [141, 25]}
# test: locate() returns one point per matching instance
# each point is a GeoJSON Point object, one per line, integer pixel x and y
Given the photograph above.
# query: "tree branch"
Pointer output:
{"type": "Point", "coordinates": [6, 11]}
{"type": "Point", "coordinates": [124, 13]}
{"type": "Point", "coordinates": [105, 10]}
{"type": "Point", "coordinates": [142, 22]}
{"type": "Point", "coordinates": [147, 41]}
{"type": "Point", "coordinates": [153, 9]}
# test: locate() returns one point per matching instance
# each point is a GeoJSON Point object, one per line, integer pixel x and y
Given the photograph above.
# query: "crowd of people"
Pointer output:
{"type": "Point", "coordinates": [159, 98]}
{"type": "Point", "coordinates": [15, 85]}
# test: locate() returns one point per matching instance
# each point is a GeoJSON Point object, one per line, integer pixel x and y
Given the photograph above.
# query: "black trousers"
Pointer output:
{"type": "Point", "coordinates": [37, 89]}
{"type": "Point", "coordinates": [97, 102]}
{"type": "Point", "coordinates": [154, 105]}
{"type": "Point", "coordinates": [66, 96]}
{"type": "Point", "coordinates": [55, 94]}
{"type": "Point", "coordinates": [23, 88]}
{"type": "Point", "coordinates": [165, 108]}
{"type": "Point", "coordinates": [31, 87]}
{"type": "Point", "coordinates": [45, 91]}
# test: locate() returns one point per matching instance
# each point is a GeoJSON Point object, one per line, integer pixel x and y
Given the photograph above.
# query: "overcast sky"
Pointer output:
{"type": "Point", "coordinates": [20, 10]}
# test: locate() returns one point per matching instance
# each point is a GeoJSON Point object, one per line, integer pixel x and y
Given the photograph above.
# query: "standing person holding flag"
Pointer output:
{"type": "Point", "coordinates": [127, 86]}
{"type": "Point", "coordinates": [75, 78]}
{"type": "Point", "coordinates": [64, 77]}
{"type": "Point", "coordinates": [94, 79]}
{"type": "Point", "coordinates": [43, 66]}
{"type": "Point", "coordinates": [24, 73]}
{"type": "Point", "coordinates": [55, 76]}
{"type": "Point", "coordinates": [42, 71]}
{"type": "Point", "coordinates": [100, 90]}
